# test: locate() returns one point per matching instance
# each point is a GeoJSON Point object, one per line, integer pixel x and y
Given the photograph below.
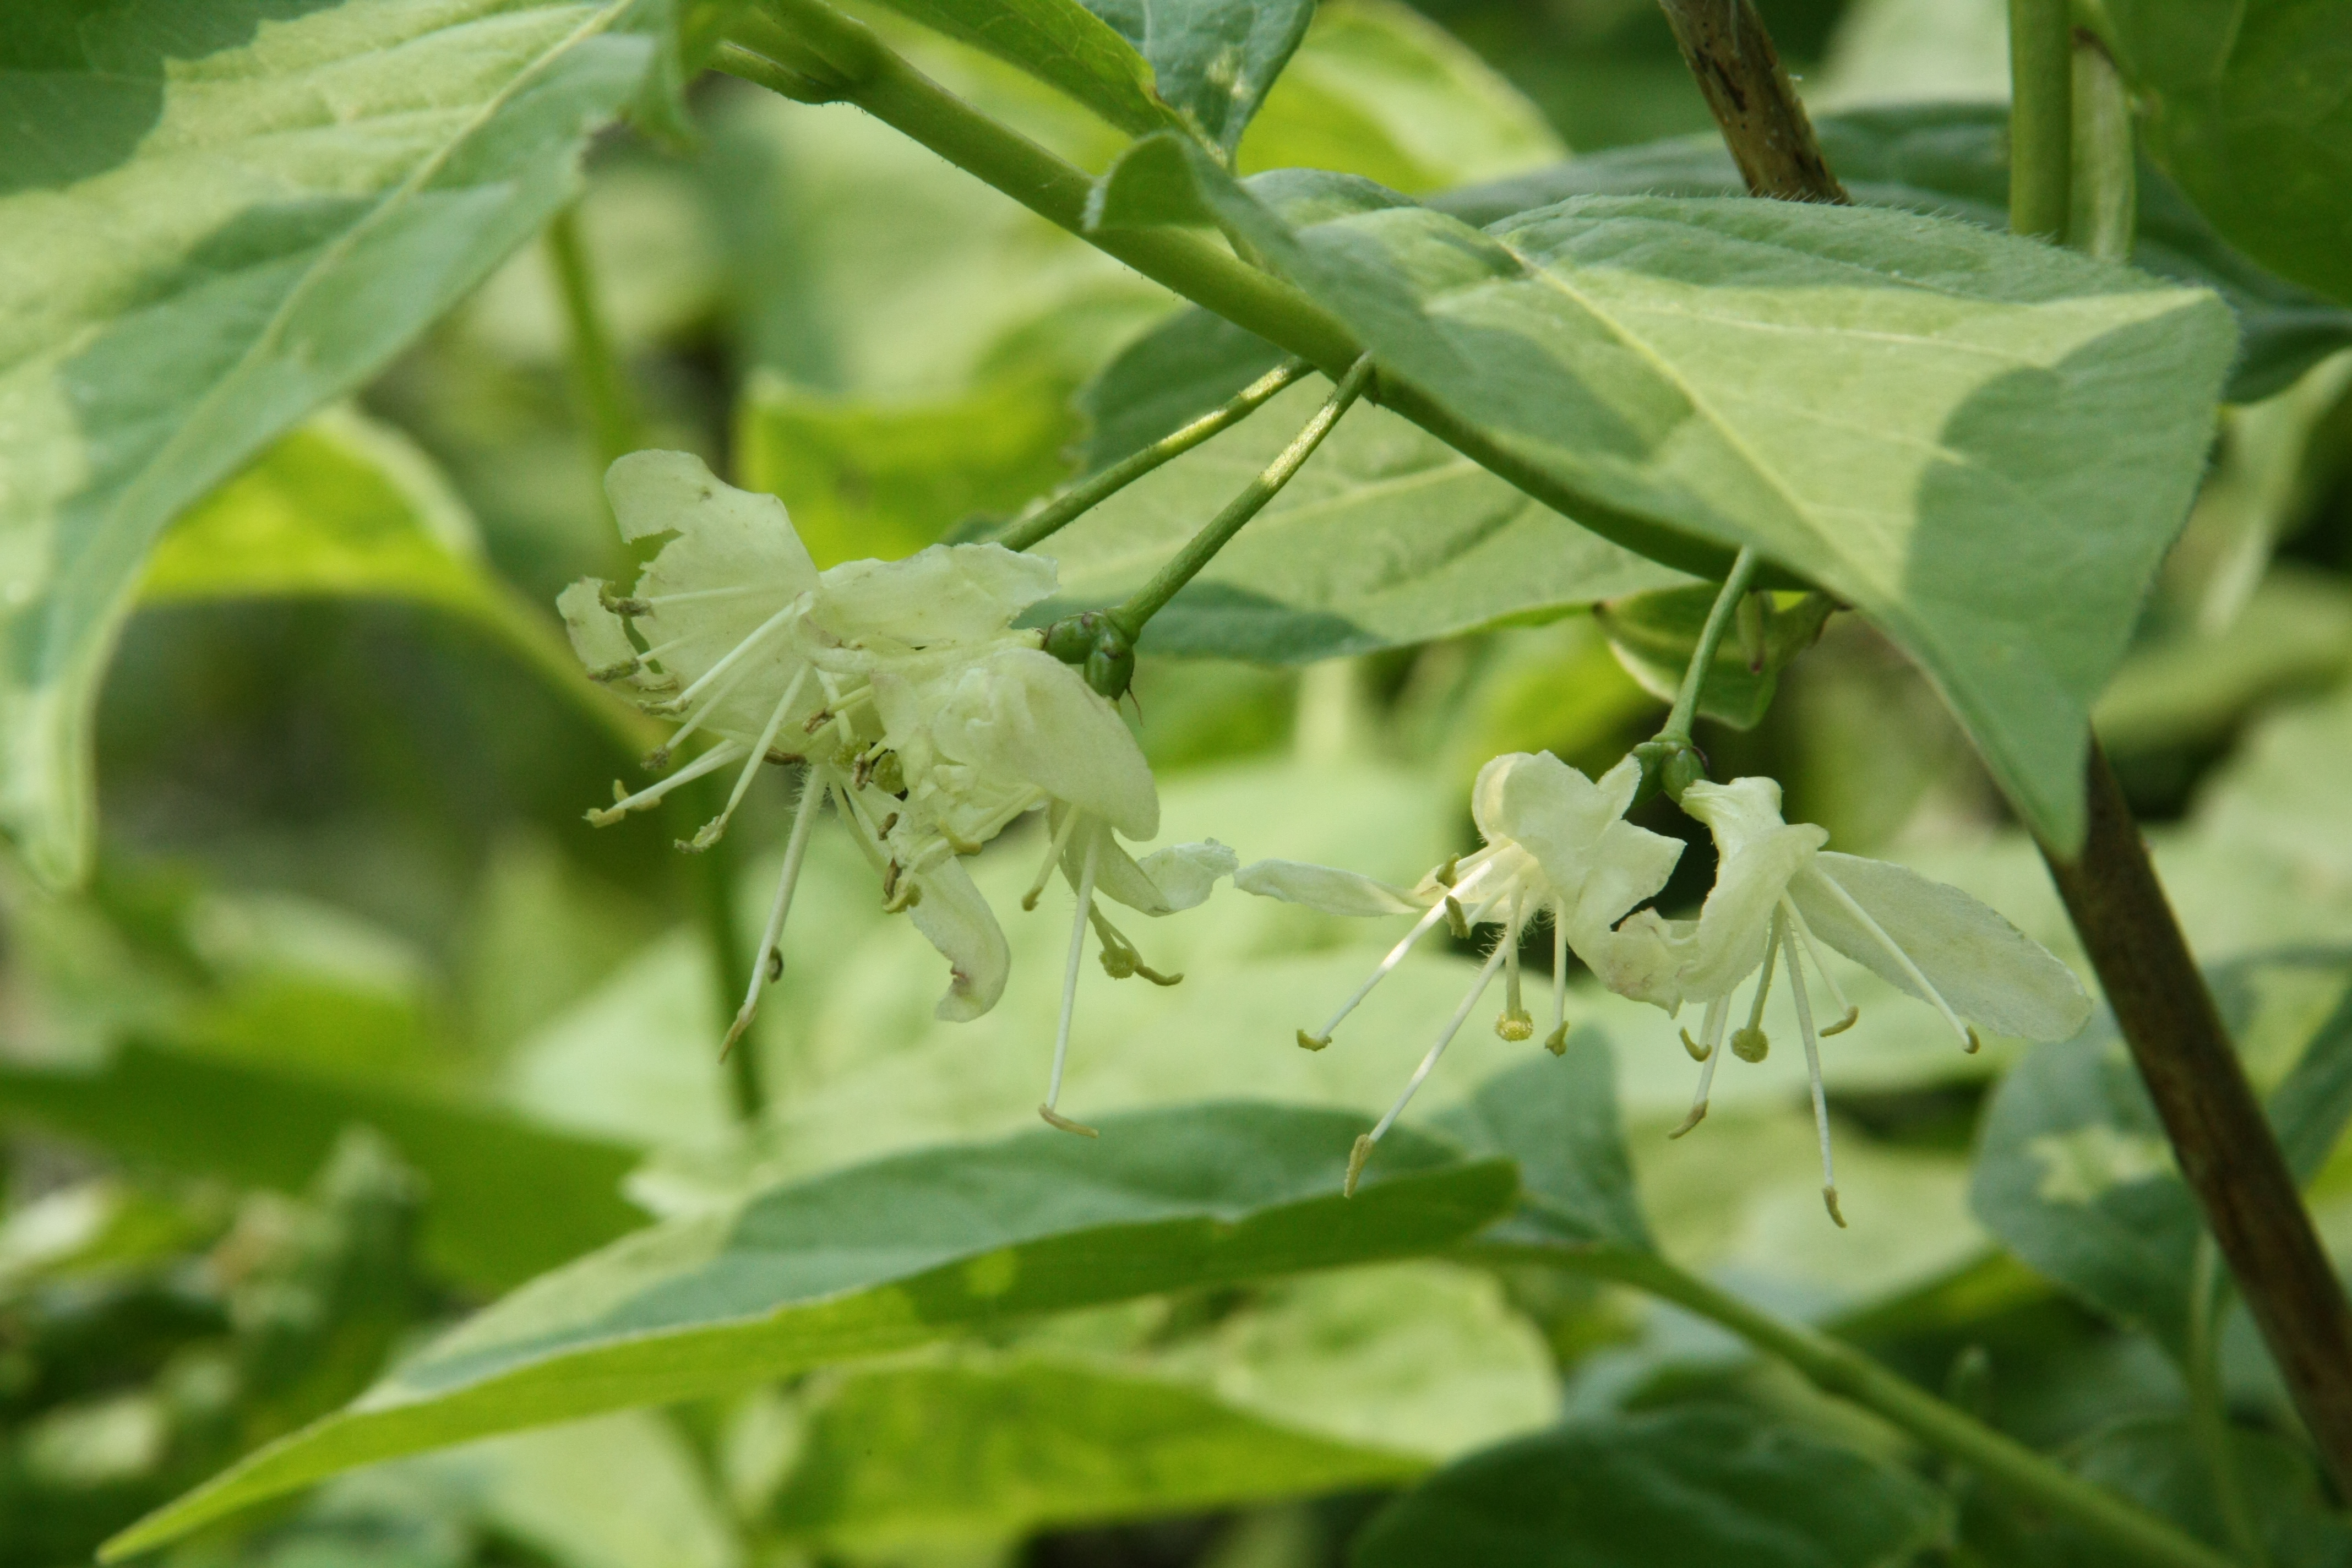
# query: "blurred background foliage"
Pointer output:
{"type": "Point", "coordinates": [360, 1024]}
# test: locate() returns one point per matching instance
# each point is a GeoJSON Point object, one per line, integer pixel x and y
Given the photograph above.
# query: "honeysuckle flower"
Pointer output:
{"type": "Point", "coordinates": [1557, 846]}
{"type": "Point", "coordinates": [744, 638]}
{"type": "Point", "coordinates": [980, 741]}
{"type": "Point", "coordinates": [1778, 893]}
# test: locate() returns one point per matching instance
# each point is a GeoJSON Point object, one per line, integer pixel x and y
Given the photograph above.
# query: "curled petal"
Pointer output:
{"type": "Point", "coordinates": [1325, 887]}
{"type": "Point", "coordinates": [1544, 805]}
{"type": "Point", "coordinates": [725, 537]}
{"type": "Point", "coordinates": [1733, 923]}
{"type": "Point", "coordinates": [957, 921]}
{"type": "Point", "coordinates": [947, 592]}
{"type": "Point", "coordinates": [1988, 971]}
{"type": "Point", "coordinates": [1640, 959]}
{"type": "Point", "coordinates": [1178, 878]}
{"type": "Point", "coordinates": [598, 636]}
{"type": "Point", "coordinates": [1737, 813]}
{"type": "Point", "coordinates": [1629, 864]}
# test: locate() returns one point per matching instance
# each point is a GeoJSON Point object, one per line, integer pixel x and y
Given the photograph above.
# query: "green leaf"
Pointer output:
{"type": "Point", "coordinates": [1682, 1489]}
{"type": "Point", "coordinates": [989, 1451]}
{"type": "Point", "coordinates": [1380, 91]}
{"type": "Point", "coordinates": [871, 479]}
{"type": "Point", "coordinates": [1947, 160]}
{"type": "Point", "coordinates": [889, 1254]}
{"type": "Point", "coordinates": [2157, 1462]}
{"type": "Point", "coordinates": [506, 1199]}
{"type": "Point", "coordinates": [1559, 1122]}
{"type": "Point", "coordinates": [2244, 105]}
{"type": "Point", "coordinates": [1387, 537]}
{"type": "Point", "coordinates": [1655, 635]}
{"type": "Point", "coordinates": [2074, 1175]}
{"type": "Point", "coordinates": [1995, 497]}
{"type": "Point", "coordinates": [215, 225]}
{"type": "Point", "coordinates": [1066, 45]}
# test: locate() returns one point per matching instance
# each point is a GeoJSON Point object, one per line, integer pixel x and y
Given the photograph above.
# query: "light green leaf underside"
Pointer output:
{"type": "Point", "coordinates": [1684, 1485]}
{"type": "Point", "coordinates": [886, 1255]}
{"type": "Point", "coordinates": [1983, 443]}
{"type": "Point", "coordinates": [293, 203]}
{"type": "Point", "coordinates": [1061, 43]}
{"type": "Point", "coordinates": [1387, 537]}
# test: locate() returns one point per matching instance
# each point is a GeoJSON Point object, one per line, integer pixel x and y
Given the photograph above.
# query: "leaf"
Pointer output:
{"type": "Point", "coordinates": [1379, 89]}
{"type": "Point", "coordinates": [1723, 371]}
{"type": "Point", "coordinates": [890, 1255]}
{"type": "Point", "coordinates": [2075, 1176]}
{"type": "Point", "coordinates": [884, 479]}
{"type": "Point", "coordinates": [1655, 635]}
{"type": "Point", "coordinates": [1947, 160]}
{"type": "Point", "coordinates": [989, 1450]}
{"type": "Point", "coordinates": [2244, 105]}
{"type": "Point", "coordinates": [216, 225]}
{"type": "Point", "coordinates": [1387, 537]}
{"type": "Point", "coordinates": [1559, 1122]}
{"type": "Point", "coordinates": [1063, 44]}
{"type": "Point", "coordinates": [506, 1199]}
{"type": "Point", "coordinates": [1681, 1488]}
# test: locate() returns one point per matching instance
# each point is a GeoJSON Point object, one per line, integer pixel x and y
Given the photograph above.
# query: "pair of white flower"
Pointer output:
{"type": "Point", "coordinates": [1558, 847]}
{"type": "Point", "coordinates": [918, 710]}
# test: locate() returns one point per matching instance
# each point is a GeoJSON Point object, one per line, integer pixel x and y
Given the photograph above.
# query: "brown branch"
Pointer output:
{"type": "Point", "coordinates": [2224, 1144]}
{"type": "Point", "coordinates": [2226, 1148]}
{"type": "Point", "coordinates": [1728, 51]}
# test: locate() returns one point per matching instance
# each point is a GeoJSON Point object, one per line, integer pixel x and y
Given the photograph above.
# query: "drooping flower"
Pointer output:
{"type": "Point", "coordinates": [744, 638]}
{"type": "Point", "coordinates": [980, 741]}
{"type": "Point", "coordinates": [1778, 892]}
{"type": "Point", "coordinates": [1557, 846]}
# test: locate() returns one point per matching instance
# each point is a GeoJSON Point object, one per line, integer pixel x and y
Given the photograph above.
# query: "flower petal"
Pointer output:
{"type": "Point", "coordinates": [1548, 808]}
{"type": "Point", "coordinates": [947, 592]}
{"type": "Point", "coordinates": [1325, 887]}
{"type": "Point", "coordinates": [1735, 920]}
{"type": "Point", "coordinates": [1988, 971]}
{"type": "Point", "coordinates": [1019, 714]}
{"type": "Point", "coordinates": [958, 921]}
{"type": "Point", "coordinates": [1178, 877]}
{"type": "Point", "coordinates": [1640, 959]}
{"type": "Point", "coordinates": [1737, 813]}
{"type": "Point", "coordinates": [727, 537]}
{"type": "Point", "coordinates": [1629, 864]}
{"type": "Point", "coordinates": [598, 636]}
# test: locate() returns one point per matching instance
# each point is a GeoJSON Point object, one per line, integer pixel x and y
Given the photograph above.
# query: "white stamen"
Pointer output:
{"type": "Point", "coordinates": [728, 660]}
{"type": "Point", "coordinates": [710, 831]}
{"type": "Point", "coordinates": [854, 810]}
{"type": "Point", "coordinates": [813, 791]}
{"type": "Point", "coordinates": [1814, 1071]}
{"type": "Point", "coordinates": [1968, 1036]}
{"type": "Point", "coordinates": [1070, 984]}
{"type": "Point", "coordinates": [1558, 1039]}
{"type": "Point", "coordinates": [1053, 848]}
{"type": "Point", "coordinates": [1363, 1148]}
{"type": "Point", "coordinates": [1711, 1036]}
{"type": "Point", "coordinates": [1420, 928]}
{"type": "Point", "coordinates": [694, 721]}
{"type": "Point", "coordinates": [718, 757]}
{"type": "Point", "coordinates": [1847, 1012]}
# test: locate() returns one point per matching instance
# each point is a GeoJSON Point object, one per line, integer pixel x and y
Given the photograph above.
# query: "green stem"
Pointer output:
{"type": "Point", "coordinates": [2104, 216]}
{"type": "Point", "coordinates": [807, 50]}
{"type": "Point", "coordinates": [2209, 1415]}
{"type": "Point", "coordinates": [1678, 730]}
{"type": "Point", "coordinates": [596, 368]}
{"type": "Point", "coordinates": [1845, 1373]}
{"type": "Point", "coordinates": [1057, 511]}
{"type": "Point", "coordinates": [1203, 547]}
{"type": "Point", "coordinates": [2041, 118]}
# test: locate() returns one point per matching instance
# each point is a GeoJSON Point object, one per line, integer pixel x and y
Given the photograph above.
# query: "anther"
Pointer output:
{"type": "Point", "coordinates": [1356, 1156]}
{"type": "Point", "coordinates": [1455, 921]}
{"type": "Point", "coordinates": [1056, 1118]}
{"type": "Point", "coordinates": [1516, 1025]}
{"type": "Point", "coordinates": [1308, 1042]}
{"type": "Point", "coordinates": [1698, 1053]}
{"type": "Point", "coordinates": [1830, 1199]}
{"type": "Point", "coordinates": [1852, 1017]}
{"type": "Point", "coordinates": [1698, 1114]}
{"type": "Point", "coordinates": [1972, 1048]}
{"type": "Point", "coordinates": [775, 965]}
{"type": "Point", "coordinates": [1557, 1041]}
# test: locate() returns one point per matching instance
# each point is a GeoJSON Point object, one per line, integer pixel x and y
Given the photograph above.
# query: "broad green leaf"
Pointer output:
{"type": "Point", "coordinates": [2243, 104]}
{"type": "Point", "coordinates": [1951, 160]}
{"type": "Point", "coordinates": [873, 479]}
{"type": "Point", "coordinates": [987, 1451]}
{"type": "Point", "coordinates": [1387, 537]}
{"type": "Point", "coordinates": [2074, 1175]}
{"type": "Point", "coordinates": [1559, 1122]}
{"type": "Point", "coordinates": [506, 1199]}
{"type": "Point", "coordinates": [1995, 498]}
{"type": "Point", "coordinates": [200, 253]}
{"type": "Point", "coordinates": [1092, 53]}
{"type": "Point", "coordinates": [1655, 635]}
{"type": "Point", "coordinates": [1681, 1488]}
{"type": "Point", "coordinates": [890, 1255]}
{"type": "Point", "coordinates": [1379, 89]}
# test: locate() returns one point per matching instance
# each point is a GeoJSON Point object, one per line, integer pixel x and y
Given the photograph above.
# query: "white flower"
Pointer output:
{"type": "Point", "coordinates": [1777, 891]}
{"type": "Point", "coordinates": [745, 638]}
{"type": "Point", "coordinates": [1557, 846]}
{"type": "Point", "coordinates": [979, 741]}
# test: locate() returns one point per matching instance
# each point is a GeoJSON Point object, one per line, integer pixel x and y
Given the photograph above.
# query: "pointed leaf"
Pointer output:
{"type": "Point", "coordinates": [887, 1254]}
{"type": "Point", "coordinates": [1559, 1121]}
